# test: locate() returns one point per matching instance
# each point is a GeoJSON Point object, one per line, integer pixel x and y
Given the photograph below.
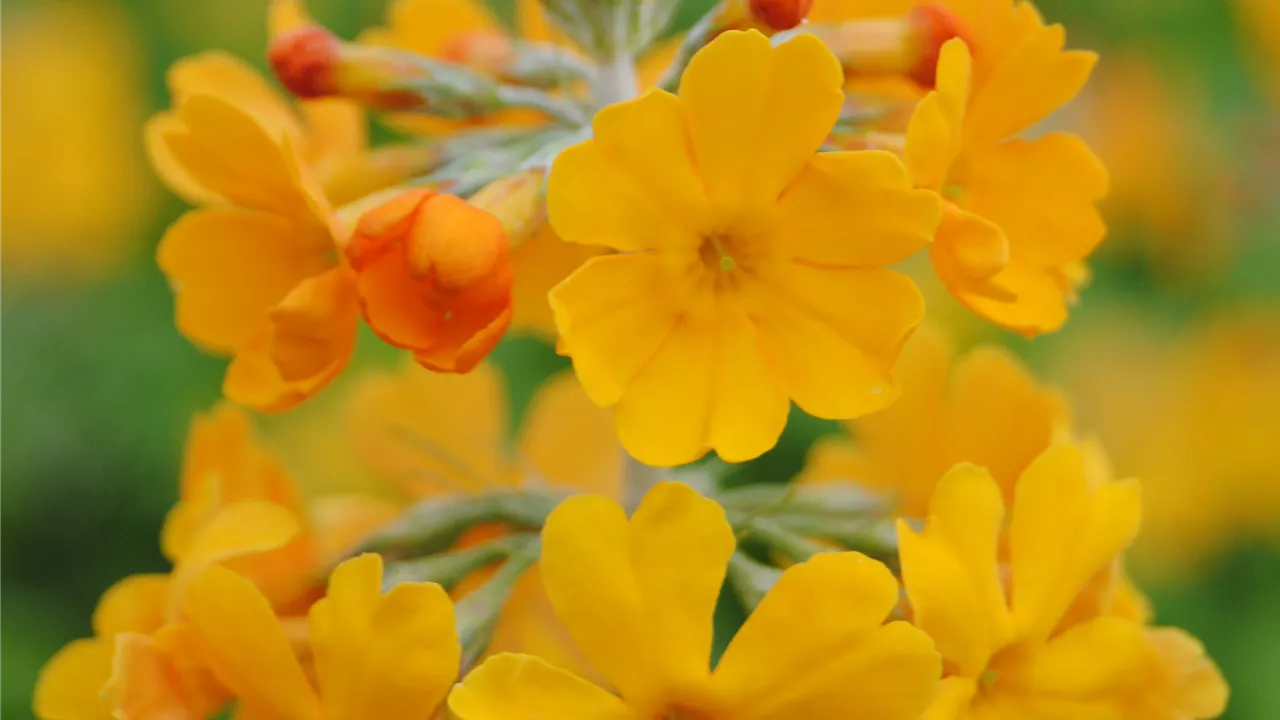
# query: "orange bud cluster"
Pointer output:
{"type": "Point", "coordinates": [434, 277]}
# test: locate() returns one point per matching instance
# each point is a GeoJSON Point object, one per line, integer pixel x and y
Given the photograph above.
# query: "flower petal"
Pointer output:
{"type": "Point", "coordinates": [950, 570]}
{"type": "Point", "coordinates": [855, 209]}
{"type": "Point", "coordinates": [387, 656]}
{"type": "Point", "coordinates": [314, 326]}
{"type": "Point", "coordinates": [613, 313]}
{"type": "Point", "coordinates": [816, 642]}
{"type": "Point", "coordinates": [570, 441]}
{"type": "Point", "coordinates": [633, 187]}
{"type": "Point", "coordinates": [638, 598]}
{"type": "Point", "coordinates": [1062, 533]}
{"type": "Point", "coordinates": [508, 686]}
{"type": "Point", "coordinates": [71, 682]}
{"type": "Point", "coordinates": [1041, 193]}
{"type": "Point", "coordinates": [757, 114]}
{"type": "Point", "coordinates": [234, 81]}
{"type": "Point", "coordinates": [134, 604]}
{"type": "Point", "coordinates": [245, 646]}
{"type": "Point", "coordinates": [144, 683]}
{"type": "Point", "coordinates": [749, 405]}
{"type": "Point", "coordinates": [1091, 670]}
{"type": "Point", "coordinates": [539, 264]}
{"type": "Point", "coordinates": [933, 135]}
{"type": "Point", "coordinates": [229, 267]}
{"type": "Point", "coordinates": [836, 351]}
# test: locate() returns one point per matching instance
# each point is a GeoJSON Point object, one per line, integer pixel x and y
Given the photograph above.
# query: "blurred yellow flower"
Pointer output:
{"type": "Point", "coordinates": [1019, 215]}
{"type": "Point", "coordinates": [750, 269]}
{"type": "Point", "coordinates": [431, 434]}
{"type": "Point", "coordinates": [392, 655]}
{"type": "Point", "coordinates": [984, 408]}
{"type": "Point", "coordinates": [638, 598]}
{"type": "Point", "coordinates": [1261, 20]}
{"type": "Point", "coordinates": [76, 193]}
{"type": "Point", "coordinates": [1002, 654]}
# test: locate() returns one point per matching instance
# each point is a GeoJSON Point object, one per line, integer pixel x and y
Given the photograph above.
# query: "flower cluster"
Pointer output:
{"type": "Point", "coordinates": [712, 229]}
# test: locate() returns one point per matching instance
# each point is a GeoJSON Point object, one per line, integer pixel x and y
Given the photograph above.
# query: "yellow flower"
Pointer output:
{"type": "Point", "coordinates": [1019, 215]}
{"type": "Point", "coordinates": [375, 655]}
{"type": "Point", "coordinates": [75, 189]}
{"type": "Point", "coordinates": [431, 434]}
{"type": "Point", "coordinates": [638, 598]}
{"type": "Point", "coordinates": [750, 269]}
{"type": "Point", "coordinates": [1007, 650]}
{"type": "Point", "coordinates": [984, 408]}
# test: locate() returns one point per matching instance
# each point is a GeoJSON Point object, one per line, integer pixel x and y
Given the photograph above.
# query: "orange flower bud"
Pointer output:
{"type": "Point", "coordinates": [779, 15]}
{"type": "Point", "coordinates": [434, 277]}
{"type": "Point", "coordinates": [304, 60]}
{"type": "Point", "coordinates": [932, 26]}
{"type": "Point", "coordinates": [489, 52]}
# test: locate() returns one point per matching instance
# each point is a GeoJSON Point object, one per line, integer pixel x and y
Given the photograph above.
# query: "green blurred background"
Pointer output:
{"type": "Point", "coordinates": [98, 385]}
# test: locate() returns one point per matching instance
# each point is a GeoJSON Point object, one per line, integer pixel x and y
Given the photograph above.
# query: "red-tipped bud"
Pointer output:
{"type": "Point", "coordinates": [305, 61]}
{"type": "Point", "coordinates": [779, 15]}
{"type": "Point", "coordinates": [932, 26]}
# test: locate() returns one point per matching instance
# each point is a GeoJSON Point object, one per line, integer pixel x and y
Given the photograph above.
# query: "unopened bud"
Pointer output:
{"type": "Point", "coordinates": [904, 46]}
{"type": "Point", "coordinates": [780, 15]}
{"type": "Point", "coordinates": [489, 52]}
{"type": "Point", "coordinates": [304, 60]}
{"type": "Point", "coordinates": [932, 25]}
{"type": "Point", "coordinates": [517, 201]}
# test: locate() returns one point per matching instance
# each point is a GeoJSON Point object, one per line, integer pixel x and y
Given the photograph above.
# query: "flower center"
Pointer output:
{"type": "Point", "coordinates": [717, 253]}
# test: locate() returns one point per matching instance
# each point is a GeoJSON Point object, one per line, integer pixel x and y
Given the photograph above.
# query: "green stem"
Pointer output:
{"type": "Point", "coordinates": [478, 613]}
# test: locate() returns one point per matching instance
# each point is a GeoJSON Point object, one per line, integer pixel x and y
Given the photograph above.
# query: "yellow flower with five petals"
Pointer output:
{"type": "Point", "coordinates": [638, 598]}
{"type": "Point", "coordinates": [750, 268]}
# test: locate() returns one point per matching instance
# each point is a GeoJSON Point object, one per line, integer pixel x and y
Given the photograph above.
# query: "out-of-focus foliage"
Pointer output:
{"type": "Point", "coordinates": [1173, 357]}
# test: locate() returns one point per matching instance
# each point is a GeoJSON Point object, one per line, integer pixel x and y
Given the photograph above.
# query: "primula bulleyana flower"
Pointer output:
{"type": "Point", "coordinates": [391, 655]}
{"type": "Point", "coordinates": [255, 276]}
{"type": "Point", "coordinates": [75, 191]}
{"type": "Point", "coordinates": [434, 277]}
{"type": "Point", "coordinates": [751, 265]}
{"type": "Point", "coordinates": [1019, 214]}
{"type": "Point", "coordinates": [1009, 652]}
{"type": "Point", "coordinates": [638, 598]}
{"type": "Point", "coordinates": [983, 408]}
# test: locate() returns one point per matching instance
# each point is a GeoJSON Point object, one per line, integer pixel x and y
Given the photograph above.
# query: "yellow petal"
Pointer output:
{"type": "Point", "coordinates": [144, 684]}
{"type": "Point", "coordinates": [934, 132]}
{"type": "Point", "coordinates": [341, 521]}
{"type": "Point", "coordinates": [636, 177]}
{"type": "Point", "coordinates": [638, 598]}
{"type": "Point", "coordinates": [663, 417]}
{"type": "Point", "coordinates": [225, 149]}
{"type": "Point", "coordinates": [508, 687]}
{"type": "Point", "coordinates": [431, 433]}
{"type": "Point", "coordinates": [1187, 683]}
{"type": "Point", "coordinates": [1027, 300]}
{"type": "Point", "coordinates": [243, 528]}
{"type": "Point", "coordinates": [70, 684]}
{"type": "Point", "coordinates": [229, 267]}
{"type": "Point", "coordinates": [1000, 418]}
{"type": "Point", "coordinates": [1088, 671]}
{"type": "Point", "coordinates": [951, 574]}
{"type": "Point", "coordinates": [254, 380]}
{"type": "Point", "coordinates": [1061, 534]}
{"type": "Point", "coordinates": [570, 441]}
{"type": "Point", "coordinates": [757, 113]}
{"type": "Point", "coordinates": [836, 352]}
{"type": "Point", "coordinates": [748, 403]}
{"type": "Point", "coordinates": [953, 699]}
{"type": "Point", "coordinates": [244, 645]}
{"type": "Point", "coordinates": [855, 209]}
{"type": "Point", "coordinates": [968, 250]}
{"type": "Point", "coordinates": [173, 173]}
{"type": "Point", "coordinates": [1041, 193]}
{"type": "Point", "coordinates": [234, 81]}
{"type": "Point", "coordinates": [613, 313]}
{"type": "Point", "coordinates": [539, 264]}
{"type": "Point", "coordinates": [314, 326]}
{"type": "Point", "coordinates": [428, 26]}
{"type": "Point", "coordinates": [1034, 79]}
{"type": "Point", "coordinates": [392, 656]}
{"type": "Point", "coordinates": [134, 604]}
{"type": "Point", "coordinates": [816, 642]}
